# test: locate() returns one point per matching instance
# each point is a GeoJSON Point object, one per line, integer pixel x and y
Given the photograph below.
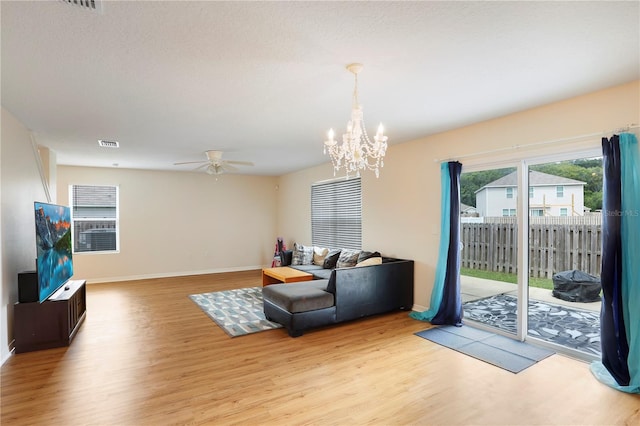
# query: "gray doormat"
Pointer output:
{"type": "Point", "coordinates": [573, 328]}
{"type": "Point", "coordinates": [238, 312]}
{"type": "Point", "coordinates": [494, 349]}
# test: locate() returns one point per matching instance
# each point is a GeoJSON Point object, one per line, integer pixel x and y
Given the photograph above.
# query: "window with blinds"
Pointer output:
{"type": "Point", "coordinates": [336, 214]}
{"type": "Point", "coordinates": [94, 217]}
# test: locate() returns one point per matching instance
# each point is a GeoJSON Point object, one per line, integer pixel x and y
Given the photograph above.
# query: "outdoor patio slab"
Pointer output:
{"type": "Point", "coordinates": [478, 288]}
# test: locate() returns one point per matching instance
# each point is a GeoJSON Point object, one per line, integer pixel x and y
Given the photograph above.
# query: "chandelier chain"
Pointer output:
{"type": "Point", "coordinates": [356, 104]}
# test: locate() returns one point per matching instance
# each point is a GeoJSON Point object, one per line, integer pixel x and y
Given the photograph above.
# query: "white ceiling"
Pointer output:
{"type": "Point", "coordinates": [263, 81]}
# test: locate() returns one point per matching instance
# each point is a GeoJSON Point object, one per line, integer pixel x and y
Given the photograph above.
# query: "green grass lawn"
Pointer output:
{"type": "Point", "coordinates": [507, 278]}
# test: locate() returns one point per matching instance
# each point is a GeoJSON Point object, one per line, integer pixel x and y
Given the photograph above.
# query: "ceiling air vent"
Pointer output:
{"type": "Point", "coordinates": [108, 144]}
{"type": "Point", "coordinates": [95, 5]}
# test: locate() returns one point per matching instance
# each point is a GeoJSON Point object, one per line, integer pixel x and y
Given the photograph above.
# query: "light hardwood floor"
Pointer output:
{"type": "Point", "coordinates": [146, 354]}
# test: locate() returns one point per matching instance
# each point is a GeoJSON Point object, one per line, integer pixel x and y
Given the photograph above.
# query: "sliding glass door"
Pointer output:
{"type": "Point", "coordinates": [531, 244]}
{"type": "Point", "coordinates": [565, 240]}
{"type": "Point", "coordinates": [489, 239]}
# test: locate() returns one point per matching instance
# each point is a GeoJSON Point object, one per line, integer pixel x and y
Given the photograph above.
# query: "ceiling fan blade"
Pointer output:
{"type": "Point", "coordinates": [201, 167]}
{"type": "Point", "coordinates": [239, 163]}
{"type": "Point", "coordinates": [228, 168]}
{"type": "Point", "coordinates": [190, 162]}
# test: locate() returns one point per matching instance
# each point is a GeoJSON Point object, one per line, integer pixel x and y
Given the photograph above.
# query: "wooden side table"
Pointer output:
{"type": "Point", "coordinates": [283, 274]}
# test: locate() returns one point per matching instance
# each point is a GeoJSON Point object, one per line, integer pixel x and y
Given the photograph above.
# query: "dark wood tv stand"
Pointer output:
{"type": "Point", "coordinates": [52, 323]}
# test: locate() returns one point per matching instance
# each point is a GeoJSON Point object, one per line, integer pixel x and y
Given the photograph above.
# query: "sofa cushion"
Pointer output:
{"type": "Point", "coordinates": [319, 253]}
{"type": "Point", "coordinates": [299, 297]}
{"type": "Point", "coordinates": [368, 258]}
{"type": "Point", "coordinates": [302, 255]}
{"type": "Point", "coordinates": [319, 273]}
{"type": "Point", "coordinates": [331, 259]}
{"type": "Point", "coordinates": [307, 268]}
{"type": "Point", "coordinates": [370, 261]}
{"type": "Point", "coordinates": [348, 258]}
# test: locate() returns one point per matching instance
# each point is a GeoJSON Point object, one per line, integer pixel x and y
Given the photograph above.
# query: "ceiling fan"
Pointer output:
{"type": "Point", "coordinates": [215, 165]}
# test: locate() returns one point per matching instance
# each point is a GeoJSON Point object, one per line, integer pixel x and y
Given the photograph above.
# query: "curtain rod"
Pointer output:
{"type": "Point", "coordinates": [569, 139]}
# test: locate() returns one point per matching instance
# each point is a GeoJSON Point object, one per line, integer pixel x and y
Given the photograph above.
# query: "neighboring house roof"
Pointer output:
{"type": "Point", "coordinates": [535, 179]}
{"type": "Point", "coordinates": [465, 208]}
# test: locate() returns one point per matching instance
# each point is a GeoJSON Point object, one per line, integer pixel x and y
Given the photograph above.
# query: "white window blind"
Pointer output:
{"type": "Point", "coordinates": [336, 214]}
{"type": "Point", "coordinates": [94, 216]}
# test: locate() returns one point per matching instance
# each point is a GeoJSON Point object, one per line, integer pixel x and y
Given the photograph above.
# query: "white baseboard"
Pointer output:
{"type": "Point", "coordinates": [419, 308]}
{"type": "Point", "coordinates": [12, 349]}
{"type": "Point", "coordinates": [172, 274]}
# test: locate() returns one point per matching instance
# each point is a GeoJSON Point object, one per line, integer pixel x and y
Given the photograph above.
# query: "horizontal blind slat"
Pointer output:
{"type": "Point", "coordinates": [94, 216]}
{"type": "Point", "coordinates": [336, 212]}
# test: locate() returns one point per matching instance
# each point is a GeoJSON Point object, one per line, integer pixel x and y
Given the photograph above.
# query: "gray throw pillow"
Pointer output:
{"type": "Point", "coordinates": [348, 258]}
{"type": "Point", "coordinates": [302, 255]}
{"type": "Point", "coordinates": [364, 255]}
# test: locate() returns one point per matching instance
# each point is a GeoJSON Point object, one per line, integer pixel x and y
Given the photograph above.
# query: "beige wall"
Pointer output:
{"type": "Point", "coordinates": [401, 209]}
{"type": "Point", "coordinates": [21, 186]}
{"type": "Point", "coordinates": [187, 223]}
{"type": "Point", "coordinates": [178, 223]}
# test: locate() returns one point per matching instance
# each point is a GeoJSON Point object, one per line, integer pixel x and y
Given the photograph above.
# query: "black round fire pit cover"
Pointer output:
{"type": "Point", "coordinates": [576, 286]}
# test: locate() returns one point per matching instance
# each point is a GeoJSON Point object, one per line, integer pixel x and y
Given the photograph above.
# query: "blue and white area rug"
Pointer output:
{"type": "Point", "coordinates": [237, 312]}
{"type": "Point", "coordinates": [574, 328]}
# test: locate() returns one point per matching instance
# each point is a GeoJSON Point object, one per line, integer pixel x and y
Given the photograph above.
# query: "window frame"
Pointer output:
{"type": "Point", "coordinates": [589, 148]}
{"type": "Point", "coordinates": [115, 220]}
{"type": "Point", "coordinates": [509, 191]}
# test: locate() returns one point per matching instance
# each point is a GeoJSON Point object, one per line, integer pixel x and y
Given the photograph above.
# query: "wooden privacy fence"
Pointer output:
{"type": "Point", "coordinates": [552, 248]}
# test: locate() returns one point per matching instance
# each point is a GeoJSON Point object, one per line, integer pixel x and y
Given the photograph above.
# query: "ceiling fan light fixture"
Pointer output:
{"type": "Point", "coordinates": [214, 169]}
{"type": "Point", "coordinates": [215, 165]}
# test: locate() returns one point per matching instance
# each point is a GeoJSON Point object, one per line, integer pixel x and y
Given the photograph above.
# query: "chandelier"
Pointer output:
{"type": "Point", "coordinates": [357, 152]}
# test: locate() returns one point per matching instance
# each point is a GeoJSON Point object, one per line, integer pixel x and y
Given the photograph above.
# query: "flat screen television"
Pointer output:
{"type": "Point", "coordinates": [54, 263]}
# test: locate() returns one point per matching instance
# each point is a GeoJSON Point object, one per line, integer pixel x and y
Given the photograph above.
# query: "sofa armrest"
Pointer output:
{"type": "Point", "coordinates": [368, 290]}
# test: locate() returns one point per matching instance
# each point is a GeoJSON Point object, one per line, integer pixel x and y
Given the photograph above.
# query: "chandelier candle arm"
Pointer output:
{"type": "Point", "coordinates": [356, 152]}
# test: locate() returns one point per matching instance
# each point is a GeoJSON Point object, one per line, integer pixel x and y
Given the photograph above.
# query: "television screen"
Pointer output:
{"type": "Point", "coordinates": [53, 241]}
